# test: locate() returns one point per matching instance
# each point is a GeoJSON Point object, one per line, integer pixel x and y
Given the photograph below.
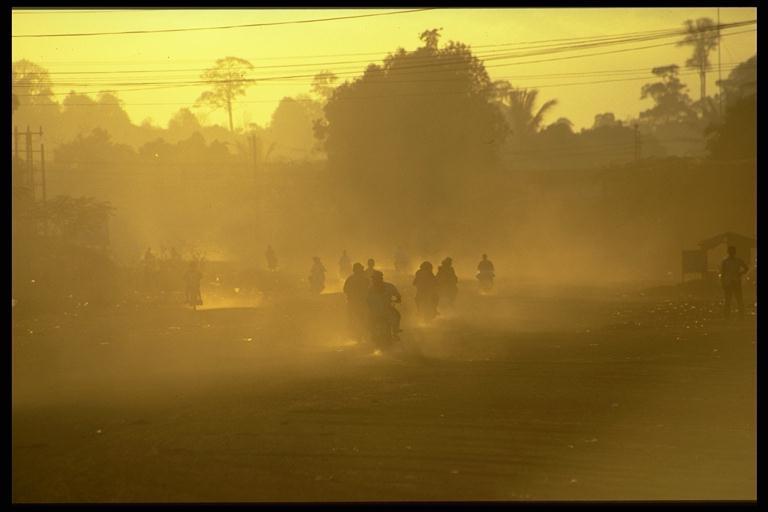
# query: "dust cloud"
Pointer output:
{"type": "Point", "coordinates": [184, 329]}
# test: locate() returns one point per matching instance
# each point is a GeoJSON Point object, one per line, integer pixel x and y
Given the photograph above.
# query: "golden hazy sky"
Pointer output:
{"type": "Point", "coordinates": [303, 49]}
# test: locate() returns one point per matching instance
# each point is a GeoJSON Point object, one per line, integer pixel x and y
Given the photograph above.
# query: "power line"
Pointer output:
{"type": "Point", "coordinates": [223, 27]}
{"type": "Point", "coordinates": [392, 71]}
{"type": "Point", "coordinates": [622, 50]}
{"type": "Point", "coordinates": [623, 40]}
{"type": "Point", "coordinates": [294, 80]}
{"type": "Point", "coordinates": [399, 70]}
{"type": "Point", "coordinates": [78, 11]}
{"type": "Point", "coordinates": [644, 72]}
{"type": "Point", "coordinates": [175, 85]}
{"type": "Point", "coordinates": [485, 56]}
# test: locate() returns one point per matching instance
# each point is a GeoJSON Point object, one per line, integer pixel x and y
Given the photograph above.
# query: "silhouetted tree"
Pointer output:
{"type": "Point", "coordinates": [431, 38]}
{"type": "Point", "coordinates": [741, 81]}
{"type": "Point", "coordinates": [31, 83]}
{"type": "Point", "coordinates": [703, 35]}
{"type": "Point", "coordinates": [736, 136]}
{"type": "Point", "coordinates": [80, 220]}
{"type": "Point", "coordinates": [291, 129]}
{"type": "Point", "coordinates": [672, 102]}
{"type": "Point", "coordinates": [229, 79]}
{"type": "Point", "coordinates": [565, 122]}
{"type": "Point", "coordinates": [94, 151]}
{"type": "Point", "coordinates": [606, 119]}
{"type": "Point", "coordinates": [322, 85]}
{"type": "Point", "coordinates": [558, 133]}
{"type": "Point", "coordinates": [408, 129]}
{"type": "Point", "coordinates": [519, 105]}
{"type": "Point", "coordinates": [182, 125]}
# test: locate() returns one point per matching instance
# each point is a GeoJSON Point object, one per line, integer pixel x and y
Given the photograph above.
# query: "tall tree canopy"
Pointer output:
{"type": "Point", "coordinates": [228, 79]}
{"type": "Point", "coordinates": [703, 35]}
{"type": "Point", "coordinates": [736, 135]}
{"type": "Point", "coordinates": [411, 129]}
{"type": "Point", "coordinates": [741, 81]}
{"type": "Point", "coordinates": [323, 84]}
{"type": "Point", "coordinates": [31, 84]}
{"type": "Point", "coordinates": [519, 106]}
{"type": "Point", "coordinates": [672, 103]}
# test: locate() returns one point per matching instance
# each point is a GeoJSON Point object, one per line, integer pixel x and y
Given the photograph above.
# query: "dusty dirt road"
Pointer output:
{"type": "Point", "coordinates": [572, 395]}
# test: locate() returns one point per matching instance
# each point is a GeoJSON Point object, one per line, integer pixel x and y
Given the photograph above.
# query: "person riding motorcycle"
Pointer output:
{"type": "Point", "coordinates": [317, 276]}
{"type": "Point", "coordinates": [371, 268]}
{"type": "Point", "coordinates": [427, 297]}
{"type": "Point", "coordinates": [447, 282]}
{"type": "Point", "coordinates": [384, 317]}
{"type": "Point", "coordinates": [485, 273]}
{"type": "Point", "coordinates": [356, 289]}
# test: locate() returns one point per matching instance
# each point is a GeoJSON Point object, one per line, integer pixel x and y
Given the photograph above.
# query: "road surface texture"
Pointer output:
{"type": "Point", "coordinates": [517, 395]}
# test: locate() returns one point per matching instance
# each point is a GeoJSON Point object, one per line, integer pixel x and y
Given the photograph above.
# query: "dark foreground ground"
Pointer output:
{"type": "Point", "coordinates": [576, 394]}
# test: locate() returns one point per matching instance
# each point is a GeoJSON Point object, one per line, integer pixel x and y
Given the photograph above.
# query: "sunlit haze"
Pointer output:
{"type": "Point", "coordinates": [378, 255]}
{"type": "Point", "coordinates": [305, 49]}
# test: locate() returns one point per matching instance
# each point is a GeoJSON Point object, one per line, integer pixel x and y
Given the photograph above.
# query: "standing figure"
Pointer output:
{"type": "Point", "coordinates": [344, 265]}
{"type": "Point", "coordinates": [317, 276]}
{"type": "Point", "coordinates": [731, 270]}
{"type": "Point", "coordinates": [356, 289]}
{"type": "Point", "coordinates": [447, 282]}
{"type": "Point", "coordinates": [485, 273]}
{"type": "Point", "coordinates": [271, 259]}
{"type": "Point", "coordinates": [192, 280]}
{"type": "Point", "coordinates": [427, 297]}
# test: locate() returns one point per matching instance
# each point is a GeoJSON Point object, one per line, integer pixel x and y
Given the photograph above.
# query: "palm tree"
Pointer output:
{"type": "Point", "coordinates": [704, 36]}
{"type": "Point", "coordinates": [520, 108]}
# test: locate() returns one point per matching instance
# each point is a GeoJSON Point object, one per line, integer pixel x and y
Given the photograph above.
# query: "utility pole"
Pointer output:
{"type": "Point", "coordinates": [16, 144]}
{"type": "Point", "coordinates": [638, 143]}
{"type": "Point", "coordinates": [28, 171]}
{"type": "Point", "coordinates": [42, 166]}
{"type": "Point", "coordinates": [719, 66]}
{"type": "Point", "coordinates": [254, 152]}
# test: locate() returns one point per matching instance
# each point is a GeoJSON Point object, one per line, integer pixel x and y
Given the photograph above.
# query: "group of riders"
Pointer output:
{"type": "Point", "coordinates": [371, 300]}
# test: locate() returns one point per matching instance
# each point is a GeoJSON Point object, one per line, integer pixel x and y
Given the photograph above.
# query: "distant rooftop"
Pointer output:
{"type": "Point", "coordinates": [728, 238]}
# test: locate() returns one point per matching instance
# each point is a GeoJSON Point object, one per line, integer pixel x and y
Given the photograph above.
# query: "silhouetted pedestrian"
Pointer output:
{"type": "Point", "coordinates": [731, 270]}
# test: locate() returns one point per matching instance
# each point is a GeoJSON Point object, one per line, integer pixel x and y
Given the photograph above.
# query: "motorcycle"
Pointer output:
{"type": "Point", "coordinates": [317, 282]}
{"type": "Point", "coordinates": [427, 306]}
{"type": "Point", "coordinates": [381, 329]}
{"type": "Point", "coordinates": [485, 280]}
